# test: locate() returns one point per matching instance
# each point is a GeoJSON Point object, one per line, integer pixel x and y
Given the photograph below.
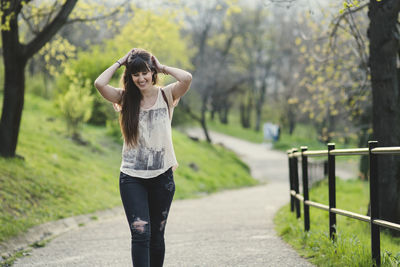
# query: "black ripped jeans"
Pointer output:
{"type": "Point", "coordinates": [146, 203]}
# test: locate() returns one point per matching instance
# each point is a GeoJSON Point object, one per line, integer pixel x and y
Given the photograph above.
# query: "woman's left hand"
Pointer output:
{"type": "Point", "coordinates": [157, 64]}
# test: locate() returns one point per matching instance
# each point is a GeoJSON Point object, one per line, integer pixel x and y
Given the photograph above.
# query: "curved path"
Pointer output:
{"type": "Point", "coordinates": [229, 228]}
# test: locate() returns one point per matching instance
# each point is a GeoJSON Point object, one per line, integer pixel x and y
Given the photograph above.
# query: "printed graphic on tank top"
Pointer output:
{"type": "Point", "coordinates": [154, 153]}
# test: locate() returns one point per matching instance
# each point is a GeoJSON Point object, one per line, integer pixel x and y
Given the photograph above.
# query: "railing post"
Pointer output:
{"type": "Point", "coordinates": [289, 152]}
{"type": "Point", "coordinates": [306, 208]}
{"type": "Point", "coordinates": [374, 202]}
{"type": "Point", "coordinates": [296, 183]}
{"type": "Point", "coordinates": [332, 191]}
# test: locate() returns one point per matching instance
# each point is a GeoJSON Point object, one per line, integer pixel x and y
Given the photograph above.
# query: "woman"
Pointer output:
{"type": "Point", "coordinates": [148, 159]}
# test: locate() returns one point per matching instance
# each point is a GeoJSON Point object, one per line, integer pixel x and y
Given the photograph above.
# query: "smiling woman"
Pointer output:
{"type": "Point", "coordinates": [148, 158]}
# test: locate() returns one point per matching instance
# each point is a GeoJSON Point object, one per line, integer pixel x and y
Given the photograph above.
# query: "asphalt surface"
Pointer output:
{"type": "Point", "coordinates": [229, 228]}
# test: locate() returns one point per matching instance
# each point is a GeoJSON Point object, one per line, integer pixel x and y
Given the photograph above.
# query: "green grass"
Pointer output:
{"type": "Point", "coordinates": [59, 178]}
{"type": "Point", "coordinates": [303, 135]}
{"type": "Point", "coordinates": [353, 245]}
{"type": "Point", "coordinates": [235, 129]}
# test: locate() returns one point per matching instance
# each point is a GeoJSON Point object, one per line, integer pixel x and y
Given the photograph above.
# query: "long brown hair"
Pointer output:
{"type": "Point", "coordinates": [139, 61]}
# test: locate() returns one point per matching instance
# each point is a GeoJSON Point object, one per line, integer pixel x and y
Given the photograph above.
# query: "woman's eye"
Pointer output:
{"type": "Point", "coordinates": [144, 73]}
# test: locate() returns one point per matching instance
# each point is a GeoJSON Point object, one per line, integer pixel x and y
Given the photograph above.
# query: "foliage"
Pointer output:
{"type": "Point", "coordinates": [352, 246]}
{"type": "Point", "coordinates": [211, 37]}
{"type": "Point", "coordinates": [156, 33]}
{"type": "Point", "coordinates": [88, 66]}
{"type": "Point", "coordinates": [76, 106]}
{"type": "Point", "coordinates": [335, 90]}
{"type": "Point", "coordinates": [58, 178]}
{"type": "Point", "coordinates": [349, 4]}
{"type": "Point", "coordinates": [55, 54]}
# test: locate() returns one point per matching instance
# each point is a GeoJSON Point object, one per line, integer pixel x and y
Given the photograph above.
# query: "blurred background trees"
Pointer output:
{"type": "Point", "coordinates": [329, 68]}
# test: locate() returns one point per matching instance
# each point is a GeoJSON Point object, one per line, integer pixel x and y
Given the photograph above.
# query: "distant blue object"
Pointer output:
{"type": "Point", "coordinates": [271, 132]}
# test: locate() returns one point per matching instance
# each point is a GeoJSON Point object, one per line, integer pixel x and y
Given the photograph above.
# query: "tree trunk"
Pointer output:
{"type": "Point", "coordinates": [292, 121]}
{"type": "Point", "coordinates": [212, 114]}
{"type": "Point", "coordinates": [260, 104]}
{"type": "Point", "coordinates": [245, 115]}
{"type": "Point", "coordinates": [14, 87]}
{"type": "Point", "coordinates": [223, 113]}
{"type": "Point", "coordinates": [261, 99]}
{"type": "Point", "coordinates": [247, 108]}
{"type": "Point", "coordinates": [384, 46]}
{"type": "Point", "coordinates": [15, 56]}
{"type": "Point", "coordinates": [203, 119]}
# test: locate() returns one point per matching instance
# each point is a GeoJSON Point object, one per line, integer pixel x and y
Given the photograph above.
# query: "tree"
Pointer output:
{"type": "Point", "coordinates": [252, 52]}
{"type": "Point", "coordinates": [16, 55]}
{"type": "Point", "coordinates": [47, 21]}
{"type": "Point", "coordinates": [335, 85]}
{"type": "Point", "coordinates": [384, 54]}
{"type": "Point", "coordinates": [213, 37]}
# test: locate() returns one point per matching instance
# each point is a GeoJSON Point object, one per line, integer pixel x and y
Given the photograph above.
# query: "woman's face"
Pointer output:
{"type": "Point", "coordinates": [143, 80]}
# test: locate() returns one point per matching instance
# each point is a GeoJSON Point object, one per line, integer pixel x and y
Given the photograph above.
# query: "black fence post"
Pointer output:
{"type": "Point", "coordinates": [296, 183]}
{"type": "Point", "coordinates": [290, 180]}
{"type": "Point", "coordinates": [374, 202]}
{"type": "Point", "coordinates": [332, 191]}
{"type": "Point", "coordinates": [306, 208]}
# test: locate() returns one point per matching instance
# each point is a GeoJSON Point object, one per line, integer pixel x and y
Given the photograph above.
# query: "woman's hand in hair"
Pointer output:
{"type": "Point", "coordinates": [157, 64]}
{"type": "Point", "coordinates": [124, 59]}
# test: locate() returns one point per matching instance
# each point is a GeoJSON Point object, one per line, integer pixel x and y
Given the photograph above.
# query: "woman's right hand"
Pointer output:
{"type": "Point", "coordinates": [124, 59]}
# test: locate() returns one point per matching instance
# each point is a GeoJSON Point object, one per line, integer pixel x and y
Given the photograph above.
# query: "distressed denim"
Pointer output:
{"type": "Point", "coordinates": [147, 203]}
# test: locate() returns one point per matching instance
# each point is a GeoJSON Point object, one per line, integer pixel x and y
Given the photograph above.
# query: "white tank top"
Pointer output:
{"type": "Point", "coordinates": [154, 153]}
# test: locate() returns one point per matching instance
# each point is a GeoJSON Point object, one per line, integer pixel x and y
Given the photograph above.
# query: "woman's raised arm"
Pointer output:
{"type": "Point", "coordinates": [183, 77]}
{"type": "Point", "coordinates": [109, 92]}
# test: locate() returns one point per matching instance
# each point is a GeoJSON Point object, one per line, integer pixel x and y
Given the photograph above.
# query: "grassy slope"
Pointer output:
{"type": "Point", "coordinates": [59, 178]}
{"type": "Point", "coordinates": [353, 245]}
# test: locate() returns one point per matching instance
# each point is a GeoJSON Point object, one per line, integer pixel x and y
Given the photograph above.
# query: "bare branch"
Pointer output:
{"type": "Point", "coordinates": [342, 16]}
{"type": "Point", "coordinates": [110, 14]}
{"type": "Point", "coordinates": [50, 14]}
{"type": "Point", "coordinates": [30, 26]}
{"type": "Point", "coordinates": [93, 18]}
{"type": "Point", "coordinates": [49, 30]}
{"type": "Point", "coordinates": [359, 41]}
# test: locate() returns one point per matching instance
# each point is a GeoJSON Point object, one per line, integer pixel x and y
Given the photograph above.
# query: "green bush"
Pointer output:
{"type": "Point", "coordinates": [76, 106]}
{"type": "Point", "coordinates": [89, 65]}
{"type": "Point", "coordinates": [113, 130]}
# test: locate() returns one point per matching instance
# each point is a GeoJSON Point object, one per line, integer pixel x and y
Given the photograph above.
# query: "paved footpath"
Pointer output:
{"type": "Point", "coordinates": [229, 228]}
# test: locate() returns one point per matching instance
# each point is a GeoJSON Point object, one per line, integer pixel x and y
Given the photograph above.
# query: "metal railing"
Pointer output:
{"type": "Point", "coordinates": [295, 197]}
